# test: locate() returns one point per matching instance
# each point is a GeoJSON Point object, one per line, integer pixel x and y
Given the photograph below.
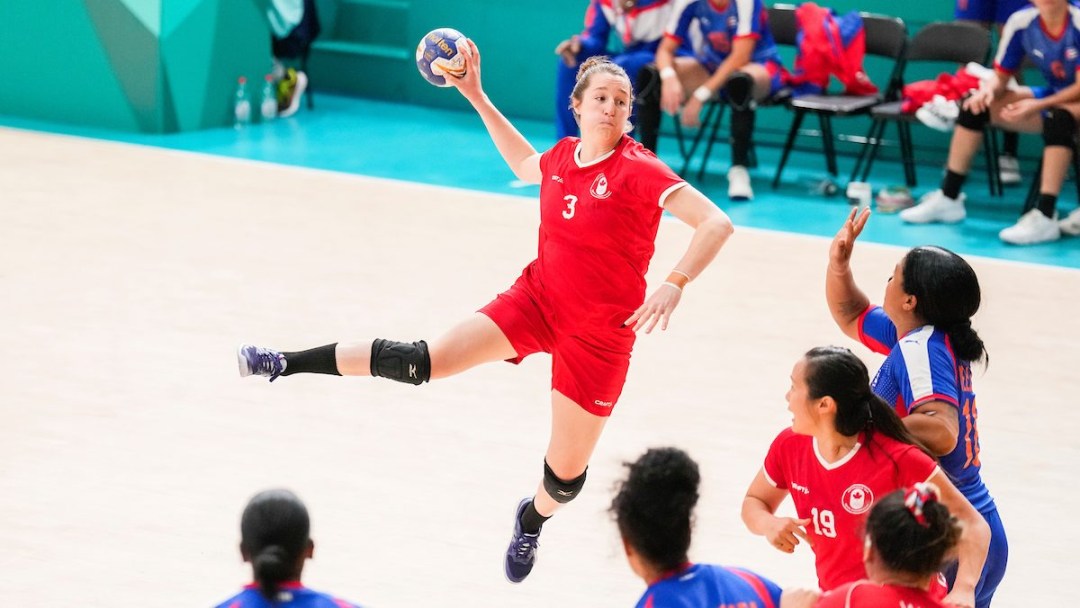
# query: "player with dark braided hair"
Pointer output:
{"type": "Point", "coordinates": [909, 534]}
{"type": "Point", "coordinates": [654, 509]}
{"type": "Point", "coordinates": [275, 538]}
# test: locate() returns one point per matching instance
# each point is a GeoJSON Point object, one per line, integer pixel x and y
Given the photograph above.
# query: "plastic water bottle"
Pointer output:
{"type": "Point", "coordinates": [268, 103]}
{"type": "Point", "coordinates": [242, 104]}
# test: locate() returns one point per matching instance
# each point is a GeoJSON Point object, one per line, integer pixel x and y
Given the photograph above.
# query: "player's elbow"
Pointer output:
{"type": "Point", "coordinates": [718, 228]}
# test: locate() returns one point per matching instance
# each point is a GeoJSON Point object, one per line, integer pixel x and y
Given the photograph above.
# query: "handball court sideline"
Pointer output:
{"type": "Point", "coordinates": [129, 444]}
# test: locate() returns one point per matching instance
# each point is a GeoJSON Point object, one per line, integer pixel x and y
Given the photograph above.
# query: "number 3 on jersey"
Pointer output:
{"type": "Point", "coordinates": [571, 200]}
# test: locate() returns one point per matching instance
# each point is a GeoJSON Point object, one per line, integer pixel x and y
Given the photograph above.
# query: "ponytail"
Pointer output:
{"type": "Point", "coordinates": [274, 534]}
{"type": "Point", "coordinates": [912, 530]}
{"type": "Point", "coordinates": [272, 567]}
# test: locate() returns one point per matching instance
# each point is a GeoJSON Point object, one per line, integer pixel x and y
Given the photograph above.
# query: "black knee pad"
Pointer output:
{"type": "Point", "coordinates": [970, 120]}
{"type": "Point", "coordinates": [1059, 128]}
{"type": "Point", "coordinates": [739, 90]}
{"type": "Point", "coordinates": [562, 491]}
{"type": "Point", "coordinates": [406, 362]}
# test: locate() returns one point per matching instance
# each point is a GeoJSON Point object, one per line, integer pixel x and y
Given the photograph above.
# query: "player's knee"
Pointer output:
{"type": "Point", "coordinates": [647, 85]}
{"type": "Point", "coordinates": [973, 121]}
{"type": "Point", "coordinates": [1059, 128]}
{"type": "Point", "coordinates": [560, 490]}
{"type": "Point", "coordinates": [407, 362]}
{"type": "Point", "coordinates": [739, 90]}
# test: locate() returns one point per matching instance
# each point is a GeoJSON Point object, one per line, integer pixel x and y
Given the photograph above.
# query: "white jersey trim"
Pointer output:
{"type": "Point", "coordinates": [916, 352]}
{"type": "Point", "coordinates": [600, 159]}
{"type": "Point", "coordinates": [829, 466]}
{"type": "Point", "coordinates": [936, 470]}
{"type": "Point", "coordinates": [768, 479]}
{"type": "Point", "coordinates": [666, 193]}
{"type": "Point", "coordinates": [1019, 20]}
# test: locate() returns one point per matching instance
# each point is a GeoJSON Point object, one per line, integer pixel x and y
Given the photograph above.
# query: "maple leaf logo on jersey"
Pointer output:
{"type": "Point", "coordinates": [599, 187]}
{"type": "Point", "coordinates": [857, 499]}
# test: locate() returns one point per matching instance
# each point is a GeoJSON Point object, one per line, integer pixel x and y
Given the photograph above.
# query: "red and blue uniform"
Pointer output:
{"type": "Point", "coordinates": [1055, 54]}
{"type": "Point", "coordinates": [921, 367]}
{"type": "Point", "coordinates": [837, 496]}
{"type": "Point", "coordinates": [867, 594]}
{"type": "Point", "coordinates": [598, 224]}
{"type": "Point", "coordinates": [711, 27]}
{"type": "Point", "coordinates": [710, 586]}
{"type": "Point", "coordinates": [290, 595]}
{"type": "Point", "coordinates": [988, 11]}
{"type": "Point", "coordinates": [639, 31]}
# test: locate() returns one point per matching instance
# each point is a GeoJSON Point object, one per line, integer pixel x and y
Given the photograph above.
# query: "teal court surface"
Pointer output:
{"type": "Point", "coordinates": [450, 148]}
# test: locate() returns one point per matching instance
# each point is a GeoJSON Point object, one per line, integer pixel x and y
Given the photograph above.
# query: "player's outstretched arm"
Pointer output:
{"type": "Point", "coordinates": [712, 228]}
{"type": "Point", "coordinates": [518, 153]}
{"type": "Point", "coordinates": [846, 301]}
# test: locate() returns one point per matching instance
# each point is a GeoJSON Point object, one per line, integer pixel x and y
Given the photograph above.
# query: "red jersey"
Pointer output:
{"type": "Point", "coordinates": [598, 224]}
{"type": "Point", "coordinates": [837, 496]}
{"type": "Point", "coordinates": [866, 594]}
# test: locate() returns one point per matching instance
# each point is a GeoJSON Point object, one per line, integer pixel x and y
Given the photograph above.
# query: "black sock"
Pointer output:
{"type": "Point", "coordinates": [531, 520]}
{"type": "Point", "coordinates": [320, 360]}
{"type": "Point", "coordinates": [1047, 204]}
{"type": "Point", "coordinates": [950, 186]}
{"type": "Point", "coordinates": [1010, 145]}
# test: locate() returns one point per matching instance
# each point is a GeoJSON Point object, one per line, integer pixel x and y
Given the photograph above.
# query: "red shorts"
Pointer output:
{"type": "Point", "coordinates": [588, 365]}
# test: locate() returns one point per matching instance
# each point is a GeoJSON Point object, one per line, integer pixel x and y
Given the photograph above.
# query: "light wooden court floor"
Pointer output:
{"type": "Point", "coordinates": [129, 445]}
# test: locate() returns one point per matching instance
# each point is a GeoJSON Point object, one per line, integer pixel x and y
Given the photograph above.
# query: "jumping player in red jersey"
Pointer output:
{"type": "Point", "coordinates": [654, 508]}
{"type": "Point", "coordinates": [582, 299]}
{"type": "Point", "coordinates": [274, 537]}
{"type": "Point", "coordinates": [924, 330]}
{"type": "Point", "coordinates": [845, 450]}
{"type": "Point", "coordinates": [909, 534]}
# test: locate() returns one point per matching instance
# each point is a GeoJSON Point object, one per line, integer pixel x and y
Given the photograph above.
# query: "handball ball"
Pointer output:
{"type": "Point", "coordinates": [437, 56]}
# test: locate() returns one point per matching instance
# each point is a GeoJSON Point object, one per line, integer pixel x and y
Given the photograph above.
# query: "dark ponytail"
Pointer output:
{"type": "Point", "coordinates": [274, 532]}
{"type": "Point", "coordinates": [912, 531]}
{"type": "Point", "coordinates": [834, 371]}
{"type": "Point", "coordinates": [654, 506]}
{"type": "Point", "coordinates": [947, 296]}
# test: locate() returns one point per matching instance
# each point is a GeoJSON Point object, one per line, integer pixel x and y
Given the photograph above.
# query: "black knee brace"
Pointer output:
{"type": "Point", "coordinates": [739, 90]}
{"type": "Point", "coordinates": [1059, 128]}
{"type": "Point", "coordinates": [970, 120]}
{"type": "Point", "coordinates": [742, 131]}
{"type": "Point", "coordinates": [648, 106]}
{"type": "Point", "coordinates": [562, 491]}
{"type": "Point", "coordinates": [407, 362]}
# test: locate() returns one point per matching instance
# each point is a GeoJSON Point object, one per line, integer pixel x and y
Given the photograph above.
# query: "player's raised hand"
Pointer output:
{"type": "Point", "coordinates": [656, 309]}
{"type": "Point", "coordinates": [844, 241]}
{"type": "Point", "coordinates": [469, 83]}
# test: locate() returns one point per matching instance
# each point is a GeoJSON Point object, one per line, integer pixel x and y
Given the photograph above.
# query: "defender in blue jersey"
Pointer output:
{"type": "Point", "coordinates": [734, 54]}
{"type": "Point", "coordinates": [274, 537]}
{"type": "Point", "coordinates": [653, 508]}
{"type": "Point", "coordinates": [1048, 36]}
{"type": "Point", "coordinates": [924, 330]}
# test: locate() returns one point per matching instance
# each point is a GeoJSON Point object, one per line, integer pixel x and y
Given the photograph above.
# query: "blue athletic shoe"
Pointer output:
{"type": "Point", "coordinates": [521, 555]}
{"type": "Point", "coordinates": [258, 361]}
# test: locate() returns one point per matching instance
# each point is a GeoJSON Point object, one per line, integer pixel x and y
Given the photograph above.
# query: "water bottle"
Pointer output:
{"type": "Point", "coordinates": [242, 104]}
{"type": "Point", "coordinates": [268, 104]}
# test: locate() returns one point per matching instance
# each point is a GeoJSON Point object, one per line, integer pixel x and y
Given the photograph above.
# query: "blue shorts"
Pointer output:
{"type": "Point", "coordinates": [996, 559]}
{"type": "Point", "coordinates": [988, 11]}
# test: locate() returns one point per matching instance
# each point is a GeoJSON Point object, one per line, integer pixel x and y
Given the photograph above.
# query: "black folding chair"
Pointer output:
{"type": "Point", "coordinates": [784, 29]}
{"type": "Point", "coordinates": [885, 37]}
{"type": "Point", "coordinates": [955, 42]}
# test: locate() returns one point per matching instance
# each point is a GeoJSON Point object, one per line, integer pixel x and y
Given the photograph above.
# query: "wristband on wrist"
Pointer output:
{"type": "Point", "coordinates": [668, 72]}
{"type": "Point", "coordinates": [670, 284]}
{"type": "Point", "coordinates": [703, 93]}
{"type": "Point", "coordinates": [677, 279]}
{"type": "Point", "coordinates": [677, 271]}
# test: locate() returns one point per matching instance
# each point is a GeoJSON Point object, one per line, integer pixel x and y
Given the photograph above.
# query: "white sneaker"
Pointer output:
{"type": "Point", "coordinates": [939, 114]}
{"type": "Point", "coordinates": [1033, 227]}
{"type": "Point", "coordinates": [1071, 224]}
{"type": "Point", "coordinates": [1009, 169]}
{"type": "Point", "coordinates": [738, 188]}
{"type": "Point", "coordinates": [936, 207]}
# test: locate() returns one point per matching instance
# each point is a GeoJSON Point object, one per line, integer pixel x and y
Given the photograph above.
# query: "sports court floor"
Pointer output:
{"type": "Point", "coordinates": [129, 444]}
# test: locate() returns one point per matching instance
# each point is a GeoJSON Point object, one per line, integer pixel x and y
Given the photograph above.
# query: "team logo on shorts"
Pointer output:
{"type": "Point", "coordinates": [599, 187]}
{"type": "Point", "coordinates": [857, 499]}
